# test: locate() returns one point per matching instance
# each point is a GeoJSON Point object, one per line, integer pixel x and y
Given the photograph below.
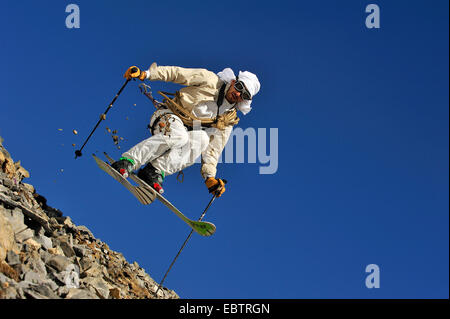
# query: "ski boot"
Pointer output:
{"type": "Point", "coordinates": [152, 177]}
{"type": "Point", "coordinates": [124, 166]}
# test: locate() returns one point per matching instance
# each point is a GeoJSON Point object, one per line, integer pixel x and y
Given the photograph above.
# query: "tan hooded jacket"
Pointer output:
{"type": "Point", "coordinates": [201, 86]}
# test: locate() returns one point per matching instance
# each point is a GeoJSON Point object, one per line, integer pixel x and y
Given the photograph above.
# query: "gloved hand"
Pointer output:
{"type": "Point", "coordinates": [215, 186]}
{"type": "Point", "coordinates": [134, 72]}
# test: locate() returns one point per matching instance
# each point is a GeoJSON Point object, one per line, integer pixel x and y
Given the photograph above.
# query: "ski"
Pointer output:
{"type": "Point", "coordinates": [146, 195]}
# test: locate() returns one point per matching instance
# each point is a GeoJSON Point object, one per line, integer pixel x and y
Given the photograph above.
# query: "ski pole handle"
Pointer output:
{"type": "Point", "coordinates": [220, 187]}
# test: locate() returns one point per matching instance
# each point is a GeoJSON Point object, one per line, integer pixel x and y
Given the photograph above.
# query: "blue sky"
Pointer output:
{"type": "Point", "coordinates": [362, 119]}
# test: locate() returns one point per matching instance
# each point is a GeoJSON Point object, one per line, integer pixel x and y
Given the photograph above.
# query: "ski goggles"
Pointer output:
{"type": "Point", "coordinates": [240, 87]}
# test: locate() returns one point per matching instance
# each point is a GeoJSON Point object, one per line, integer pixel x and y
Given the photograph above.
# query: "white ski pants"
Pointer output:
{"type": "Point", "coordinates": [171, 148]}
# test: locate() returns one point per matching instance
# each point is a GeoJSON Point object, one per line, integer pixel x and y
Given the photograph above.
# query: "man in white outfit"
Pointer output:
{"type": "Point", "coordinates": [197, 121]}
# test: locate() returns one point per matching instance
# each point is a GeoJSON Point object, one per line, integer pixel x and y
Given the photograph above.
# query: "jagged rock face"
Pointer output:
{"type": "Point", "coordinates": [44, 255]}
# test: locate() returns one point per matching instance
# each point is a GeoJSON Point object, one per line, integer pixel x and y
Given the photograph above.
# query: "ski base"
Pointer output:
{"type": "Point", "coordinates": [146, 195]}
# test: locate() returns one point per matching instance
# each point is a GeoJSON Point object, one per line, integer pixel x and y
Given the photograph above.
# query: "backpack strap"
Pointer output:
{"type": "Point", "coordinates": [220, 99]}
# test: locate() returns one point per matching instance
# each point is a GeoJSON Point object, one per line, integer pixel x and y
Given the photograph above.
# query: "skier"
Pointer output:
{"type": "Point", "coordinates": [197, 121]}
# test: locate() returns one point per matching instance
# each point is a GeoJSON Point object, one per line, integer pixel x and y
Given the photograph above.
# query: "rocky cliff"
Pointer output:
{"type": "Point", "coordinates": [44, 255]}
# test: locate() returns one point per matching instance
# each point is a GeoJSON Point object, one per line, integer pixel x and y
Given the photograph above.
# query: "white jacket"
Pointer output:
{"type": "Point", "coordinates": [201, 89]}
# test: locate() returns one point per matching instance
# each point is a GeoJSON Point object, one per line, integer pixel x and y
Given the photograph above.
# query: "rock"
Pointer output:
{"type": "Point", "coordinates": [100, 286]}
{"type": "Point", "coordinates": [32, 243]}
{"type": "Point", "coordinates": [44, 241]}
{"type": "Point", "coordinates": [28, 187]}
{"type": "Point", "coordinates": [15, 218]}
{"type": "Point", "coordinates": [62, 291]}
{"type": "Point", "coordinates": [8, 167]}
{"type": "Point", "coordinates": [85, 230]}
{"type": "Point", "coordinates": [44, 255]}
{"type": "Point", "coordinates": [86, 263]}
{"type": "Point", "coordinates": [56, 251]}
{"type": "Point", "coordinates": [24, 284]}
{"type": "Point", "coordinates": [76, 262]}
{"type": "Point", "coordinates": [46, 291]}
{"type": "Point", "coordinates": [33, 277]}
{"type": "Point", "coordinates": [52, 212]}
{"type": "Point", "coordinates": [41, 292]}
{"type": "Point", "coordinates": [35, 263]}
{"type": "Point", "coordinates": [9, 293]}
{"type": "Point", "coordinates": [4, 189]}
{"type": "Point", "coordinates": [81, 294]}
{"type": "Point", "coordinates": [14, 195]}
{"type": "Point", "coordinates": [69, 277]}
{"type": "Point", "coordinates": [140, 282]}
{"type": "Point", "coordinates": [24, 235]}
{"type": "Point", "coordinates": [41, 200]}
{"type": "Point", "coordinates": [8, 271]}
{"type": "Point", "coordinates": [95, 270]}
{"type": "Point", "coordinates": [115, 293]}
{"type": "Point", "coordinates": [8, 183]}
{"type": "Point", "coordinates": [60, 263]}
{"type": "Point", "coordinates": [5, 281]}
{"type": "Point", "coordinates": [6, 235]}
{"type": "Point", "coordinates": [34, 295]}
{"type": "Point", "coordinates": [67, 249]}
{"type": "Point", "coordinates": [50, 283]}
{"type": "Point", "coordinates": [21, 172]}
{"type": "Point", "coordinates": [12, 258]}
{"type": "Point", "coordinates": [80, 250]}
{"type": "Point", "coordinates": [66, 221]}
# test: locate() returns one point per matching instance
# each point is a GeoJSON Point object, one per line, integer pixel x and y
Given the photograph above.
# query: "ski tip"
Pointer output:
{"type": "Point", "coordinates": [205, 229]}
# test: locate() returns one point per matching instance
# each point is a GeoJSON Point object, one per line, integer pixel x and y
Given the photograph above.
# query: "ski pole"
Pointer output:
{"type": "Point", "coordinates": [185, 242]}
{"type": "Point", "coordinates": [102, 117]}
